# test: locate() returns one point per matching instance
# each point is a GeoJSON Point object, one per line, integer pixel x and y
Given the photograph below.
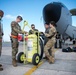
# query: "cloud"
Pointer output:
{"type": "Point", "coordinates": [11, 16]}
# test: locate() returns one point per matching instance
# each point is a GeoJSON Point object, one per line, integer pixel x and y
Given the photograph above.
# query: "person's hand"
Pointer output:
{"type": "Point", "coordinates": [25, 32]}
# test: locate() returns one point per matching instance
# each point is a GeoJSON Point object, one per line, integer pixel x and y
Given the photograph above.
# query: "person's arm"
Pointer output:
{"type": "Point", "coordinates": [31, 32]}
{"type": "Point", "coordinates": [48, 34]}
{"type": "Point", "coordinates": [17, 30]}
{"type": "Point", "coordinates": [51, 33]}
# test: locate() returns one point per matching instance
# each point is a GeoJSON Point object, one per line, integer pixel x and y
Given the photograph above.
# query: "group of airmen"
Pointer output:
{"type": "Point", "coordinates": [49, 40]}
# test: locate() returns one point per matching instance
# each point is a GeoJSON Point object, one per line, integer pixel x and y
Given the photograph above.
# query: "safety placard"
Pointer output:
{"type": "Point", "coordinates": [30, 43]}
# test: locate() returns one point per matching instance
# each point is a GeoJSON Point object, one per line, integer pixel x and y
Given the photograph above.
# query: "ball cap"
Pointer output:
{"type": "Point", "coordinates": [19, 17]}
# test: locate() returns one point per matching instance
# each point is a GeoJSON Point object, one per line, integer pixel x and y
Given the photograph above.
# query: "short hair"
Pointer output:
{"type": "Point", "coordinates": [47, 23]}
{"type": "Point", "coordinates": [32, 25]}
{"type": "Point", "coordinates": [53, 23]}
{"type": "Point", "coordinates": [19, 17]}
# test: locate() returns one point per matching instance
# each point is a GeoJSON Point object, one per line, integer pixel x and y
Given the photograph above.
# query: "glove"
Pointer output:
{"type": "Point", "coordinates": [25, 32]}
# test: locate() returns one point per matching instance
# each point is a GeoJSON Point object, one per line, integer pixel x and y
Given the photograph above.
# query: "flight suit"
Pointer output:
{"type": "Point", "coordinates": [32, 31]}
{"type": "Point", "coordinates": [15, 30]}
{"type": "Point", "coordinates": [50, 44]}
{"type": "Point", "coordinates": [1, 34]}
{"type": "Point", "coordinates": [46, 38]}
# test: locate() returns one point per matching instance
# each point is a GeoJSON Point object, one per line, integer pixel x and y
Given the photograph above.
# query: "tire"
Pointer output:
{"type": "Point", "coordinates": [68, 49]}
{"type": "Point", "coordinates": [20, 58]}
{"type": "Point", "coordinates": [36, 59]}
{"type": "Point", "coordinates": [42, 49]}
{"type": "Point", "coordinates": [64, 50]}
{"type": "Point", "coordinates": [74, 49]}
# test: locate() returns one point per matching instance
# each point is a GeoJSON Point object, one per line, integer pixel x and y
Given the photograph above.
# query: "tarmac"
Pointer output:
{"type": "Point", "coordinates": [65, 64]}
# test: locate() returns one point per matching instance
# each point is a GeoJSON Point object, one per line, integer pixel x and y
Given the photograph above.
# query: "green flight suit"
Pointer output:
{"type": "Point", "coordinates": [15, 30]}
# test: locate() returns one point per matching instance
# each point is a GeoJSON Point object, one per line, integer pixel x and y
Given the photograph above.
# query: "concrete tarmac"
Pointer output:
{"type": "Point", "coordinates": [65, 64]}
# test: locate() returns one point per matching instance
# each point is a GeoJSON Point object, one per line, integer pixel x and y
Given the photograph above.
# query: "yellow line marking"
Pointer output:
{"type": "Point", "coordinates": [33, 69]}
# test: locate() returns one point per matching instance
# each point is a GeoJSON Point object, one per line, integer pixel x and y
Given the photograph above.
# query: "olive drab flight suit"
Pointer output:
{"type": "Point", "coordinates": [32, 31]}
{"type": "Point", "coordinates": [1, 34]}
{"type": "Point", "coordinates": [50, 44]}
{"type": "Point", "coordinates": [15, 29]}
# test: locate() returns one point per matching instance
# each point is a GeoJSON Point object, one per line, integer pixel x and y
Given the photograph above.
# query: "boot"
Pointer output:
{"type": "Point", "coordinates": [45, 58]}
{"type": "Point", "coordinates": [1, 69]}
{"type": "Point", "coordinates": [14, 62]}
{"type": "Point", "coordinates": [0, 65]}
{"type": "Point", "coordinates": [51, 60]}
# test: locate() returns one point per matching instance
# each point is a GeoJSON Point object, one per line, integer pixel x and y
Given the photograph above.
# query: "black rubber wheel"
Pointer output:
{"type": "Point", "coordinates": [68, 49]}
{"type": "Point", "coordinates": [36, 59]}
{"type": "Point", "coordinates": [74, 49]}
{"type": "Point", "coordinates": [20, 58]}
{"type": "Point", "coordinates": [42, 49]}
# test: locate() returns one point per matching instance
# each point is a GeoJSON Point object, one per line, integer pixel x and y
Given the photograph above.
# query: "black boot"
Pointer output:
{"type": "Point", "coordinates": [1, 69]}
{"type": "Point", "coordinates": [0, 65]}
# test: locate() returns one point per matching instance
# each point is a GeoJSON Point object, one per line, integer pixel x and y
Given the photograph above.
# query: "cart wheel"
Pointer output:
{"type": "Point", "coordinates": [36, 59]}
{"type": "Point", "coordinates": [41, 49]}
{"type": "Point", "coordinates": [20, 57]}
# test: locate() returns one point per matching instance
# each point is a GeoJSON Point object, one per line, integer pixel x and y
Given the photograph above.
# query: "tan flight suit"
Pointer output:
{"type": "Point", "coordinates": [15, 29]}
{"type": "Point", "coordinates": [50, 44]}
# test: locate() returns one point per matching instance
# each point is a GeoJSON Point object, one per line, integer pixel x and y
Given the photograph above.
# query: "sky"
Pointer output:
{"type": "Point", "coordinates": [30, 10]}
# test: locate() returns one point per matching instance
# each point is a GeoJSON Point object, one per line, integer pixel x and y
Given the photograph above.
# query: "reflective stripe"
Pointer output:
{"type": "Point", "coordinates": [14, 36]}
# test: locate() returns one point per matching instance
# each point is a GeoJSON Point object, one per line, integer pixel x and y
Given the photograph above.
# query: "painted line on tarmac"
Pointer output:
{"type": "Point", "coordinates": [33, 69]}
